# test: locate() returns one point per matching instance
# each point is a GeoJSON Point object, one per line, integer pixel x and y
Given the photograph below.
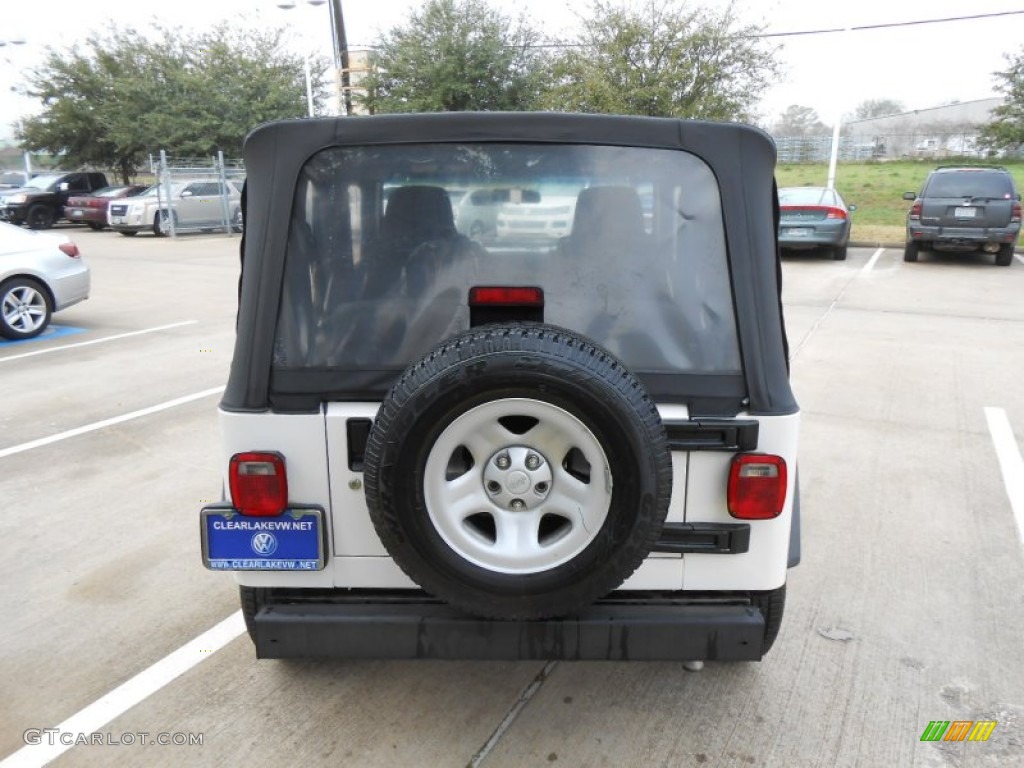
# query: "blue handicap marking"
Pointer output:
{"type": "Point", "coordinates": [52, 332]}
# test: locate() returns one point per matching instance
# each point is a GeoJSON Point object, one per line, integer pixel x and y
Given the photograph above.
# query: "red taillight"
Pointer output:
{"type": "Point", "coordinates": [70, 249]}
{"type": "Point", "coordinates": [915, 210]}
{"type": "Point", "coordinates": [757, 486]}
{"type": "Point", "coordinates": [835, 213]}
{"type": "Point", "coordinates": [259, 485]}
{"type": "Point", "coordinates": [505, 296]}
{"type": "Point", "coordinates": [1016, 215]}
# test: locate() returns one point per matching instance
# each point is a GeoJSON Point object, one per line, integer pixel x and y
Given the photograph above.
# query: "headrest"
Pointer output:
{"type": "Point", "coordinates": [608, 213]}
{"type": "Point", "coordinates": [419, 213]}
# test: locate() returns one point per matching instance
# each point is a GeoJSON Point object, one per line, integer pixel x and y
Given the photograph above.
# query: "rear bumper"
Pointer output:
{"type": "Point", "coordinates": [809, 243]}
{"type": "Point", "coordinates": [961, 238]}
{"type": "Point", "coordinates": [84, 215]}
{"type": "Point", "coordinates": [71, 288]}
{"type": "Point", "coordinates": [804, 235]}
{"type": "Point", "coordinates": [422, 628]}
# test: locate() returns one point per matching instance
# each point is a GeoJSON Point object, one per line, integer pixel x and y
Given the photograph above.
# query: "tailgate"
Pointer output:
{"type": "Point", "coordinates": [967, 212]}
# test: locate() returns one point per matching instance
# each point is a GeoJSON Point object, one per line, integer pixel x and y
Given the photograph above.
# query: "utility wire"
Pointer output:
{"type": "Point", "coordinates": [801, 33]}
{"type": "Point", "coordinates": [889, 25]}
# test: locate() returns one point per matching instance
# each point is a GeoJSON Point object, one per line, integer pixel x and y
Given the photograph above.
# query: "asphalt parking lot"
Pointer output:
{"type": "Point", "coordinates": [905, 610]}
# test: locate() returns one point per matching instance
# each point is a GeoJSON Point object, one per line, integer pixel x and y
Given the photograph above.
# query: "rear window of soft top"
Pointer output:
{"type": "Point", "coordinates": [380, 257]}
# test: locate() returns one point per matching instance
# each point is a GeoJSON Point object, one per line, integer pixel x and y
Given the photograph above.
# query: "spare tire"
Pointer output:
{"type": "Point", "coordinates": [518, 472]}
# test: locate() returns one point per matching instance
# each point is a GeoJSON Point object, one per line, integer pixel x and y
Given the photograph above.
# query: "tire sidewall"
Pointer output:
{"type": "Point", "coordinates": [162, 223]}
{"type": "Point", "coordinates": [40, 216]}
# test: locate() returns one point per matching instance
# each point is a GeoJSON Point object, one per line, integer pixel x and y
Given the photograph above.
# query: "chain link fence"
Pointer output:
{"type": "Point", "coordinates": [899, 146]}
{"type": "Point", "coordinates": [198, 194]}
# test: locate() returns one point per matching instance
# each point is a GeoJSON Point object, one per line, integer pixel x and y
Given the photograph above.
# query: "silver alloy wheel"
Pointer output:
{"type": "Point", "coordinates": [517, 486]}
{"type": "Point", "coordinates": [24, 309]}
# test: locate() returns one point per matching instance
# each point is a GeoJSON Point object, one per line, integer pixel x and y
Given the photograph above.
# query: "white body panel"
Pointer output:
{"type": "Point", "coordinates": [315, 447]}
{"type": "Point", "coordinates": [764, 566]}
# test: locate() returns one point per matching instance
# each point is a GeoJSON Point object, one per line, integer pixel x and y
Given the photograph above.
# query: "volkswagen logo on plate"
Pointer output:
{"type": "Point", "coordinates": [264, 543]}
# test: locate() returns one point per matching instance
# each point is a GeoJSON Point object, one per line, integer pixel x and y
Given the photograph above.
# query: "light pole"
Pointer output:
{"type": "Point", "coordinates": [339, 40]}
{"type": "Point", "coordinates": [339, 51]}
{"type": "Point", "coordinates": [287, 5]}
{"type": "Point", "coordinates": [14, 42]}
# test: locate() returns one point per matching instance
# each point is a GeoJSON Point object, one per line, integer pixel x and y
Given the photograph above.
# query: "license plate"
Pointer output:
{"type": "Point", "coordinates": [116, 219]}
{"type": "Point", "coordinates": [799, 231]}
{"type": "Point", "coordinates": [964, 213]}
{"type": "Point", "coordinates": [75, 214]}
{"type": "Point", "coordinates": [293, 541]}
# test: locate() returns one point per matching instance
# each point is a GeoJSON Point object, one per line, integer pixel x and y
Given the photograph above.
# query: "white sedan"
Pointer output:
{"type": "Point", "coordinates": [40, 273]}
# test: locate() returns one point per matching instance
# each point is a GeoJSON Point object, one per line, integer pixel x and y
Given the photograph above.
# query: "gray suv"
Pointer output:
{"type": "Point", "coordinates": [965, 208]}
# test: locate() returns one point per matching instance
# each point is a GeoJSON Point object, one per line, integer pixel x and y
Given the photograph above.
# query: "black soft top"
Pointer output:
{"type": "Point", "coordinates": [741, 157]}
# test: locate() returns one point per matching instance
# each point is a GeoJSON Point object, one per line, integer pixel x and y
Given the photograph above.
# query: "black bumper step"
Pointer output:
{"type": "Point", "coordinates": [429, 630]}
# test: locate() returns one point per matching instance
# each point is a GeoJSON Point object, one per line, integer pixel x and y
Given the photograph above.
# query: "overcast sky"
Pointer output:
{"type": "Point", "coordinates": [921, 65]}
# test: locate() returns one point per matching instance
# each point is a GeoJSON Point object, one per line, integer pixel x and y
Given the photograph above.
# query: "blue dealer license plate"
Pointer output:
{"type": "Point", "coordinates": [293, 541]}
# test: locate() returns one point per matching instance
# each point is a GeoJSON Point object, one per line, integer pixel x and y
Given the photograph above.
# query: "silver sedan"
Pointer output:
{"type": "Point", "coordinates": [40, 273]}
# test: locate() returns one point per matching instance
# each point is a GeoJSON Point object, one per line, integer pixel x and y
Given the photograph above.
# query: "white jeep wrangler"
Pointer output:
{"type": "Point", "coordinates": [579, 446]}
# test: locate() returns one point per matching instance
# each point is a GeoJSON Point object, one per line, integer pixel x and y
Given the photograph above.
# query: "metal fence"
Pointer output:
{"type": "Point", "coordinates": [910, 146]}
{"type": "Point", "coordinates": [198, 194]}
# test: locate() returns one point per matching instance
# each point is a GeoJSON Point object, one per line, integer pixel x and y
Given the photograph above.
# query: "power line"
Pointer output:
{"type": "Point", "coordinates": [805, 32]}
{"type": "Point", "coordinates": [889, 25]}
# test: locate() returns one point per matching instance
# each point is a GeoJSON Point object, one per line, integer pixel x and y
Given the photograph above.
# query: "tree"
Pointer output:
{"type": "Point", "coordinates": [877, 108]}
{"type": "Point", "coordinates": [117, 98]}
{"type": "Point", "coordinates": [455, 55]}
{"type": "Point", "coordinates": [799, 121]}
{"type": "Point", "coordinates": [1006, 130]}
{"type": "Point", "coordinates": [662, 59]}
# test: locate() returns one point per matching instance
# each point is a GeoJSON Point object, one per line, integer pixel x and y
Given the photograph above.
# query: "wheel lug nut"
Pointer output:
{"type": "Point", "coordinates": [541, 487]}
{"type": "Point", "coordinates": [517, 505]}
{"type": "Point", "coordinates": [502, 461]}
{"type": "Point", "coordinates": [532, 461]}
{"type": "Point", "coordinates": [493, 487]}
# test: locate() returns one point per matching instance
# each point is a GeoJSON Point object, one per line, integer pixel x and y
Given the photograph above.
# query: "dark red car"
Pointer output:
{"type": "Point", "coordinates": [92, 209]}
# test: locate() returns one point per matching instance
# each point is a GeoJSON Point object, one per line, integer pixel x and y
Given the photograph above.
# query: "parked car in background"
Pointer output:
{"type": "Point", "coordinates": [40, 203]}
{"type": "Point", "coordinates": [13, 179]}
{"type": "Point", "coordinates": [548, 216]}
{"type": "Point", "coordinates": [40, 273]}
{"type": "Point", "coordinates": [194, 204]}
{"type": "Point", "coordinates": [92, 209]}
{"type": "Point", "coordinates": [814, 218]}
{"type": "Point", "coordinates": [477, 213]}
{"type": "Point", "coordinates": [965, 208]}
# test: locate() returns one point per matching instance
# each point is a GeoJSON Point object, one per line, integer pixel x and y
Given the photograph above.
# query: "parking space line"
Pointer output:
{"type": "Point", "coordinates": [127, 695]}
{"type": "Point", "coordinates": [1019, 258]}
{"type": "Point", "coordinates": [98, 341]}
{"type": "Point", "coordinates": [1010, 463]}
{"type": "Point", "coordinates": [108, 422]}
{"type": "Point", "coordinates": [873, 259]}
